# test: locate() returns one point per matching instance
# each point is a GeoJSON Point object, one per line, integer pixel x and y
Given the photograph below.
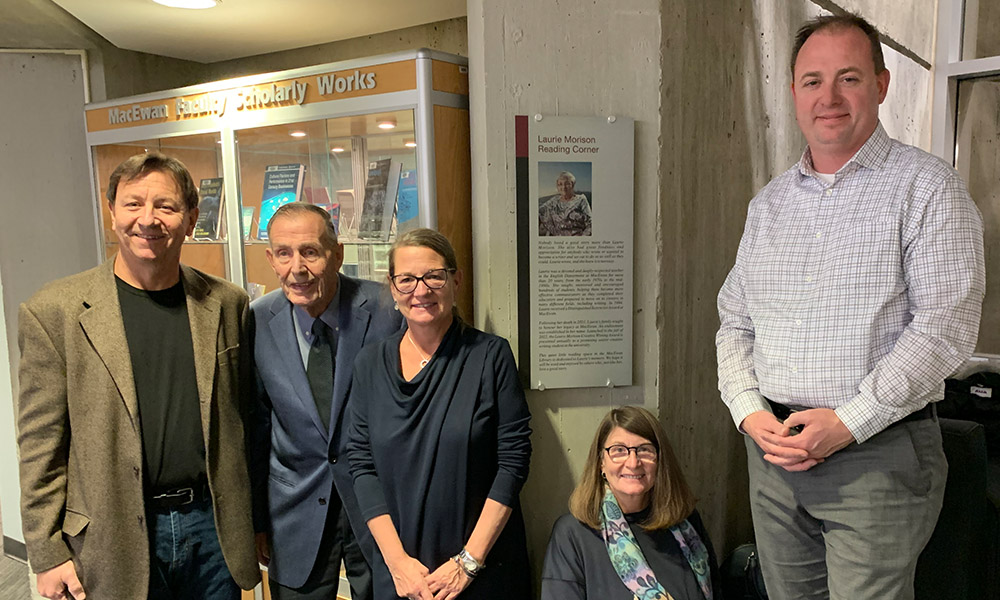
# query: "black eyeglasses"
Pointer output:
{"type": "Point", "coordinates": [434, 279]}
{"type": "Point", "coordinates": [618, 453]}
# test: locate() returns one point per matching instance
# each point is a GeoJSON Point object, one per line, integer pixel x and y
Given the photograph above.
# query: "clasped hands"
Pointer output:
{"type": "Point", "coordinates": [822, 434]}
{"type": "Point", "coordinates": [415, 581]}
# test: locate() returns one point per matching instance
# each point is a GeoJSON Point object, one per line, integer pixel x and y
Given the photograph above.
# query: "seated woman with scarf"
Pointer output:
{"type": "Point", "coordinates": [632, 531]}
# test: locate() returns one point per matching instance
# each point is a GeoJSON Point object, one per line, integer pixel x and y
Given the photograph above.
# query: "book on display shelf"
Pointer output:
{"type": "Point", "coordinates": [247, 221]}
{"type": "Point", "coordinates": [348, 210]}
{"type": "Point", "coordinates": [407, 209]}
{"type": "Point", "coordinates": [380, 199]}
{"type": "Point", "coordinates": [282, 184]}
{"type": "Point", "coordinates": [321, 198]}
{"type": "Point", "coordinates": [316, 195]}
{"type": "Point", "coordinates": [210, 209]}
{"type": "Point", "coordinates": [334, 209]}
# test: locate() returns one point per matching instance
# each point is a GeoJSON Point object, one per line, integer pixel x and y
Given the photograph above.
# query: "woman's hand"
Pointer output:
{"type": "Point", "coordinates": [409, 576]}
{"type": "Point", "coordinates": [448, 581]}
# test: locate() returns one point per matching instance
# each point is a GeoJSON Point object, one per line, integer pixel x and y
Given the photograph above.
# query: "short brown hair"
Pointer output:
{"type": "Point", "coordinates": [845, 21]}
{"type": "Point", "coordinates": [300, 208]}
{"type": "Point", "coordinates": [671, 500]}
{"type": "Point", "coordinates": [141, 165]}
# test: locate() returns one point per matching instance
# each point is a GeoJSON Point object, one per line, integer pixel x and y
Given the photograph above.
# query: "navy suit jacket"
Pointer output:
{"type": "Point", "coordinates": [295, 460]}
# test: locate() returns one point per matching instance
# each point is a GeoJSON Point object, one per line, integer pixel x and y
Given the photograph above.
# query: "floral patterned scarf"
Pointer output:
{"type": "Point", "coordinates": [629, 562]}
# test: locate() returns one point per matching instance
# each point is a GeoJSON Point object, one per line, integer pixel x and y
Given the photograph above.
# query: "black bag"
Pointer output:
{"type": "Point", "coordinates": [741, 576]}
{"type": "Point", "coordinates": [975, 398]}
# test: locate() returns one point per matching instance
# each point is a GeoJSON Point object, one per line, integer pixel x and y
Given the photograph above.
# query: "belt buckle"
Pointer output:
{"type": "Point", "coordinates": [791, 411]}
{"type": "Point", "coordinates": [177, 494]}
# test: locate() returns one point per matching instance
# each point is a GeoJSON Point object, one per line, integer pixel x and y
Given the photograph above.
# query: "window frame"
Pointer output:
{"type": "Point", "coordinates": [949, 69]}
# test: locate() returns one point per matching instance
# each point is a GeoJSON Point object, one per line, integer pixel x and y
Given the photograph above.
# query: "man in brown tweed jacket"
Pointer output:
{"type": "Point", "coordinates": [131, 413]}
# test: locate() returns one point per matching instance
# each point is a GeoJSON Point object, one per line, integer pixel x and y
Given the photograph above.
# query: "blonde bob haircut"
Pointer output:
{"type": "Point", "coordinates": [671, 500]}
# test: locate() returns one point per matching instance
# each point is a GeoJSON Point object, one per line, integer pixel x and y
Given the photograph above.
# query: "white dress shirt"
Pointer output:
{"type": "Point", "coordinates": [861, 295]}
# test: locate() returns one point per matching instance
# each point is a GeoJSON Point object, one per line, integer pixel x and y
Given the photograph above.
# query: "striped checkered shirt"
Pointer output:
{"type": "Point", "coordinates": [861, 295]}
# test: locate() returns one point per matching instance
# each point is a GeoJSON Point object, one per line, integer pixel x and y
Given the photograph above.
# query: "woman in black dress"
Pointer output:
{"type": "Point", "coordinates": [632, 531]}
{"type": "Point", "coordinates": [439, 444]}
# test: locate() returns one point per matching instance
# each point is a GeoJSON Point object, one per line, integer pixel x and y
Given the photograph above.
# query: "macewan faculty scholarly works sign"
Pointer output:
{"type": "Point", "coordinates": [228, 100]}
{"type": "Point", "coordinates": [574, 206]}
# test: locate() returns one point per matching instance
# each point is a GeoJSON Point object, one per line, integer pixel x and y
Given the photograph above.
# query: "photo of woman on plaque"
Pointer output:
{"type": "Point", "coordinates": [568, 212]}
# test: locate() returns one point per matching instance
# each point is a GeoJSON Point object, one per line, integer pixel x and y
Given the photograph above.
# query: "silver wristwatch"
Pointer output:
{"type": "Point", "coordinates": [471, 566]}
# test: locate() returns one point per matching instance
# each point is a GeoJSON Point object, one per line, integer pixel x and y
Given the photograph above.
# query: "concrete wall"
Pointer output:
{"type": "Point", "coordinates": [978, 141]}
{"type": "Point", "coordinates": [906, 112]}
{"type": "Point", "coordinates": [47, 230]}
{"type": "Point", "coordinates": [983, 18]}
{"type": "Point", "coordinates": [708, 85]}
{"type": "Point", "coordinates": [128, 73]}
{"type": "Point", "coordinates": [40, 24]}
{"type": "Point", "coordinates": [728, 128]}
{"type": "Point", "coordinates": [579, 58]}
{"type": "Point", "coordinates": [910, 25]}
{"type": "Point", "coordinates": [446, 36]}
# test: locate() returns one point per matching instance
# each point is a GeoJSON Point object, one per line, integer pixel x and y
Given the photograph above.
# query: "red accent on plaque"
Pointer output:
{"type": "Point", "coordinates": [521, 136]}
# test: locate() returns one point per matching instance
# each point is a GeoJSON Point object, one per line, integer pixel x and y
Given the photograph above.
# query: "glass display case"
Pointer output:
{"type": "Point", "coordinates": [340, 156]}
{"type": "Point", "coordinates": [381, 143]}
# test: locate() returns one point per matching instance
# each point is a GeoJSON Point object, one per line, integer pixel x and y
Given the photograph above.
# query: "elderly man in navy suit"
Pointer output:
{"type": "Point", "coordinates": [306, 336]}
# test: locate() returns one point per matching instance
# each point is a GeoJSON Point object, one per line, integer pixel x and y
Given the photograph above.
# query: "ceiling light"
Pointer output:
{"type": "Point", "coordinates": [336, 149]}
{"type": "Point", "coordinates": [297, 133]}
{"type": "Point", "coordinates": [196, 4]}
{"type": "Point", "coordinates": [387, 124]}
{"type": "Point", "coordinates": [410, 144]}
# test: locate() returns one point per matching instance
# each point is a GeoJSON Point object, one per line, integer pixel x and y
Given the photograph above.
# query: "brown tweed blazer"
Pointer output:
{"type": "Point", "coordinates": [79, 431]}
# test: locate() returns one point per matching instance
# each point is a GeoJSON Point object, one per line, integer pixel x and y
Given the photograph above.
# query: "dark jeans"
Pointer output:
{"type": "Point", "coordinates": [186, 560]}
{"type": "Point", "coordinates": [338, 543]}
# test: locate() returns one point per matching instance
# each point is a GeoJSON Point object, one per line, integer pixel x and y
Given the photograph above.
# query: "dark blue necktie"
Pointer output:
{"type": "Point", "coordinates": [319, 370]}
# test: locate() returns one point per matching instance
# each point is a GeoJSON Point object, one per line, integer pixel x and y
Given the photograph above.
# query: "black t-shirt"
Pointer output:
{"type": "Point", "coordinates": [159, 343]}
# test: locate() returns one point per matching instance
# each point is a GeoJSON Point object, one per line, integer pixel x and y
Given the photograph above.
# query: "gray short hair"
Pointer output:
{"type": "Point", "coordinates": [300, 208]}
{"type": "Point", "coordinates": [567, 175]}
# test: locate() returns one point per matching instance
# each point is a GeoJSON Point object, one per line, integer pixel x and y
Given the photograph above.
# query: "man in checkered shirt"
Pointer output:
{"type": "Point", "coordinates": [857, 289]}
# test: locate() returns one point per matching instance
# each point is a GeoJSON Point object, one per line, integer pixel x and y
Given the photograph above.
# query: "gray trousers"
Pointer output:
{"type": "Point", "coordinates": [852, 527]}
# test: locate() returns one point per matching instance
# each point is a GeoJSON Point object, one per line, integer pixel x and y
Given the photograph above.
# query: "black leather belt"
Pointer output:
{"type": "Point", "coordinates": [177, 497]}
{"type": "Point", "coordinates": [782, 412]}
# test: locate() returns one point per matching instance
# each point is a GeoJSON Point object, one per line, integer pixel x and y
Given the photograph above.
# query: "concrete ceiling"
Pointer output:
{"type": "Point", "coordinates": [239, 28]}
